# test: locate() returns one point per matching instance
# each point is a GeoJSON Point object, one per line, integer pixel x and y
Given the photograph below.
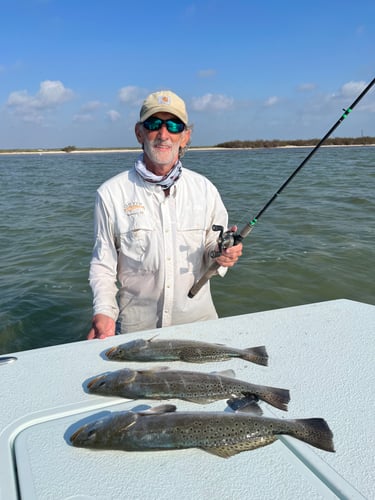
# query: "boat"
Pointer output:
{"type": "Point", "coordinates": [322, 352]}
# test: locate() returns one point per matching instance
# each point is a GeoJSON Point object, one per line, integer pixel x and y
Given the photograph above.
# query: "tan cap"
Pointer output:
{"type": "Point", "coordinates": [164, 101]}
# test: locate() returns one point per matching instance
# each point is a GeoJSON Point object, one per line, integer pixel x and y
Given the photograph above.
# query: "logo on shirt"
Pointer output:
{"type": "Point", "coordinates": [134, 207]}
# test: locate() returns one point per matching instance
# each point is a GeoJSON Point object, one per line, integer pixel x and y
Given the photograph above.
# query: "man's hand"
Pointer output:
{"type": "Point", "coordinates": [230, 255]}
{"type": "Point", "coordinates": [102, 326]}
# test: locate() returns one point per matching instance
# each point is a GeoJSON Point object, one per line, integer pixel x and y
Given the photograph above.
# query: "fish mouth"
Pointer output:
{"type": "Point", "coordinates": [110, 352]}
{"type": "Point", "coordinates": [74, 436]}
{"type": "Point", "coordinates": [95, 381]}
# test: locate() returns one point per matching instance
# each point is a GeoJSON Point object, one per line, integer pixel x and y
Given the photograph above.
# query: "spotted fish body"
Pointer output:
{"type": "Point", "coordinates": [197, 387]}
{"type": "Point", "coordinates": [183, 350]}
{"type": "Point", "coordinates": [220, 433]}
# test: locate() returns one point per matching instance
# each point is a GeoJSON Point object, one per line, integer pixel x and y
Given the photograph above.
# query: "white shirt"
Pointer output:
{"type": "Point", "coordinates": [150, 249]}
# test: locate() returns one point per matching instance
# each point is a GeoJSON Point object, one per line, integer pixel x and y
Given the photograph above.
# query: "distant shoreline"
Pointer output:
{"type": "Point", "coordinates": [138, 150]}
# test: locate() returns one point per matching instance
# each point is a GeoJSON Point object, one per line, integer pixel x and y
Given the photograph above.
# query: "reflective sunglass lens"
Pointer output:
{"type": "Point", "coordinates": [174, 127]}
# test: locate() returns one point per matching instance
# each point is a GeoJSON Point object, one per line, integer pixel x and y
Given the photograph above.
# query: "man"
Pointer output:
{"type": "Point", "coordinates": [153, 231]}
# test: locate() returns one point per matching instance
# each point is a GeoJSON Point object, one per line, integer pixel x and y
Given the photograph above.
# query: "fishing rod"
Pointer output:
{"type": "Point", "coordinates": [230, 238]}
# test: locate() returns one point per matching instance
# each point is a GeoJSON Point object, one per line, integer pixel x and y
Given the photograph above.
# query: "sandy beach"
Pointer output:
{"type": "Point", "coordinates": [139, 150]}
{"type": "Point", "coordinates": [92, 151]}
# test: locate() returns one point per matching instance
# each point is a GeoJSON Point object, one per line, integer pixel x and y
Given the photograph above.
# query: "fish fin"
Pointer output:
{"type": "Point", "coordinates": [279, 398]}
{"type": "Point", "coordinates": [230, 450]}
{"type": "Point", "coordinates": [152, 338]}
{"type": "Point", "coordinates": [314, 431]}
{"type": "Point", "coordinates": [257, 355]}
{"type": "Point", "coordinates": [225, 373]}
{"type": "Point", "coordinates": [159, 410]}
{"type": "Point", "coordinates": [223, 451]}
{"type": "Point", "coordinates": [200, 400]}
{"type": "Point", "coordinates": [245, 405]}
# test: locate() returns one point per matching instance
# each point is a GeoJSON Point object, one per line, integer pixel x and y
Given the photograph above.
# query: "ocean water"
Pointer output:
{"type": "Point", "coordinates": [314, 243]}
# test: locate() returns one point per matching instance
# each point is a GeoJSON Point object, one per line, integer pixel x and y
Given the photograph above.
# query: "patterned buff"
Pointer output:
{"type": "Point", "coordinates": [165, 181]}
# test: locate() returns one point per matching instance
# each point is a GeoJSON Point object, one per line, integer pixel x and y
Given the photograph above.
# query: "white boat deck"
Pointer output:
{"type": "Point", "coordinates": [323, 353]}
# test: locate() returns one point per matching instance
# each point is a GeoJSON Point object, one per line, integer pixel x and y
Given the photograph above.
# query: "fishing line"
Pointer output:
{"type": "Point", "coordinates": [230, 238]}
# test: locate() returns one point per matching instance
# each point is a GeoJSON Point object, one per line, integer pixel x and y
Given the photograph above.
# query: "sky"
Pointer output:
{"type": "Point", "coordinates": [75, 72]}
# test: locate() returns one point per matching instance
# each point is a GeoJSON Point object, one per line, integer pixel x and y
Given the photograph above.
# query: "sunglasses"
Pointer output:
{"type": "Point", "coordinates": [174, 126]}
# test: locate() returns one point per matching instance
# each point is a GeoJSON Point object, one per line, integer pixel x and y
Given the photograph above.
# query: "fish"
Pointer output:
{"type": "Point", "coordinates": [191, 351]}
{"type": "Point", "coordinates": [197, 387]}
{"type": "Point", "coordinates": [220, 433]}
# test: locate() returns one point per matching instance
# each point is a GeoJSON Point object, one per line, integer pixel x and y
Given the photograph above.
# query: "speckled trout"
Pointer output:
{"type": "Point", "coordinates": [183, 350]}
{"type": "Point", "coordinates": [223, 434]}
{"type": "Point", "coordinates": [197, 387]}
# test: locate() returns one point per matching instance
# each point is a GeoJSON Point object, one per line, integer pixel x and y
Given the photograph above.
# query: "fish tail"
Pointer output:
{"type": "Point", "coordinates": [314, 431]}
{"type": "Point", "coordinates": [279, 398]}
{"type": "Point", "coordinates": [256, 355]}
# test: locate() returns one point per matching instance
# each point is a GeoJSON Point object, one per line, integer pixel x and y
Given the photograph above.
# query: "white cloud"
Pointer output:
{"type": "Point", "coordinates": [51, 94]}
{"type": "Point", "coordinates": [83, 117]}
{"type": "Point", "coordinates": [206, 73]}
{"type": "Point", "coordinates": [131, 95]}
{"type": "Point", "coordinates": [113, 115]}
{"type": "Point", "coordinates": [352, 89]}
{"type": "Point", "coordinates": [213, 102]}
{"type": "Point", "coordinates": [306, 87]}
{"type": "Point", "coordinates": [271, 101]}
{"type": "Point", "coordinates": [91, 106]}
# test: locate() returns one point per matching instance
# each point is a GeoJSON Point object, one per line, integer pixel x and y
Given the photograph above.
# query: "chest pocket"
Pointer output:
{"type": "Point", "coordinates": [192, 218]}
{"type": "Point", "coordinates": [136, 241]}
{"type": "Point", "coordinates": [191, 234]}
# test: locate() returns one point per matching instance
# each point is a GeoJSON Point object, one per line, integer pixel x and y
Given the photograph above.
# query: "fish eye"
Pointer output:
{"type": "Point", "coordinates": [91, 433]}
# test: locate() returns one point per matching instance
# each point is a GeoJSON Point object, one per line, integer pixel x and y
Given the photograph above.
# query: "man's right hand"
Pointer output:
{"type": "Point", "coordinates": [102, 326]}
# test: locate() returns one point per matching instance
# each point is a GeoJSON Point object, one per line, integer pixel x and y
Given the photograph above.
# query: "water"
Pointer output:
{"type": "Point", "coordinates": [314, 243]}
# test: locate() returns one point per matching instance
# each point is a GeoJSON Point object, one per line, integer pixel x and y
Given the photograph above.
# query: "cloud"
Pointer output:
{"type": "Point", "coordinates": [352, 89]}
{"type": "Point", "coordinates": [83, 117]}
{"type": "Point", "coordinates": [206, 73]}
{"type": "Point", "coordinates": [212, 102]}
{"type": "Point", "coordinates": [361, 30]}
{"type": "Point", "coordinates": [306, 87]}
{"type": "Point", "coordinates": [91, 106]}
{"type": "Point", "coordinates": [31, 108]}
{"type": "Point", "coordinates": [271, 101]}
{"type": "Point", "coordinates": [131, 95]}
{"type": "Point", "coordinates": [113, 115]}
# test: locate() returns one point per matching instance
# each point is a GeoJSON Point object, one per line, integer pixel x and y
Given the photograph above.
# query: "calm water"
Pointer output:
{"type": "Point", "coordinates": [314, 243]}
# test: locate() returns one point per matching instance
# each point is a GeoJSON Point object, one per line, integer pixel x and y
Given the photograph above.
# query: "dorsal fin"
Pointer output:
{"type": "Point", "coordinates": [159, 410]}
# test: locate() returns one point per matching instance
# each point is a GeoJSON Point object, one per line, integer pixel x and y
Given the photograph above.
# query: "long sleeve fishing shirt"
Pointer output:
{"type": "Point", "coordinates": [150, 249]}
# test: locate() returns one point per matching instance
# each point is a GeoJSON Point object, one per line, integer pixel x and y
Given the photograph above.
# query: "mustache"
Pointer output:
{"type": "Point", "coordinates": [161, 142]}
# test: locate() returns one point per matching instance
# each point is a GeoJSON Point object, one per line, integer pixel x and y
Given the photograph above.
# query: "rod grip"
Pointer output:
{"type": "Point", "coordinates": [211, 271]}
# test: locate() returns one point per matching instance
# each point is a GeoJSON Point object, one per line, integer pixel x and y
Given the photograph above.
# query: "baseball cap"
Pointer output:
{"type": "Point", "coordinates": [164, 101]}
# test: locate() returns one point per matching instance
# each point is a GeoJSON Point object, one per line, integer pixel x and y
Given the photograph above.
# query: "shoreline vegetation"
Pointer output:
{"type": "Point", "coordinates": [236, 144]}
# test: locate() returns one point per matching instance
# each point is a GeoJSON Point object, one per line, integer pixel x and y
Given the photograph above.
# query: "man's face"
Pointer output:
{"type": "Point", "coordinates": [161, 147]}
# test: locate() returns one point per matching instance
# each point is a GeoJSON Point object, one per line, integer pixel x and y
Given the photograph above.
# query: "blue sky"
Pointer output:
{"type": "Point", "coordinates": [74, 72]}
